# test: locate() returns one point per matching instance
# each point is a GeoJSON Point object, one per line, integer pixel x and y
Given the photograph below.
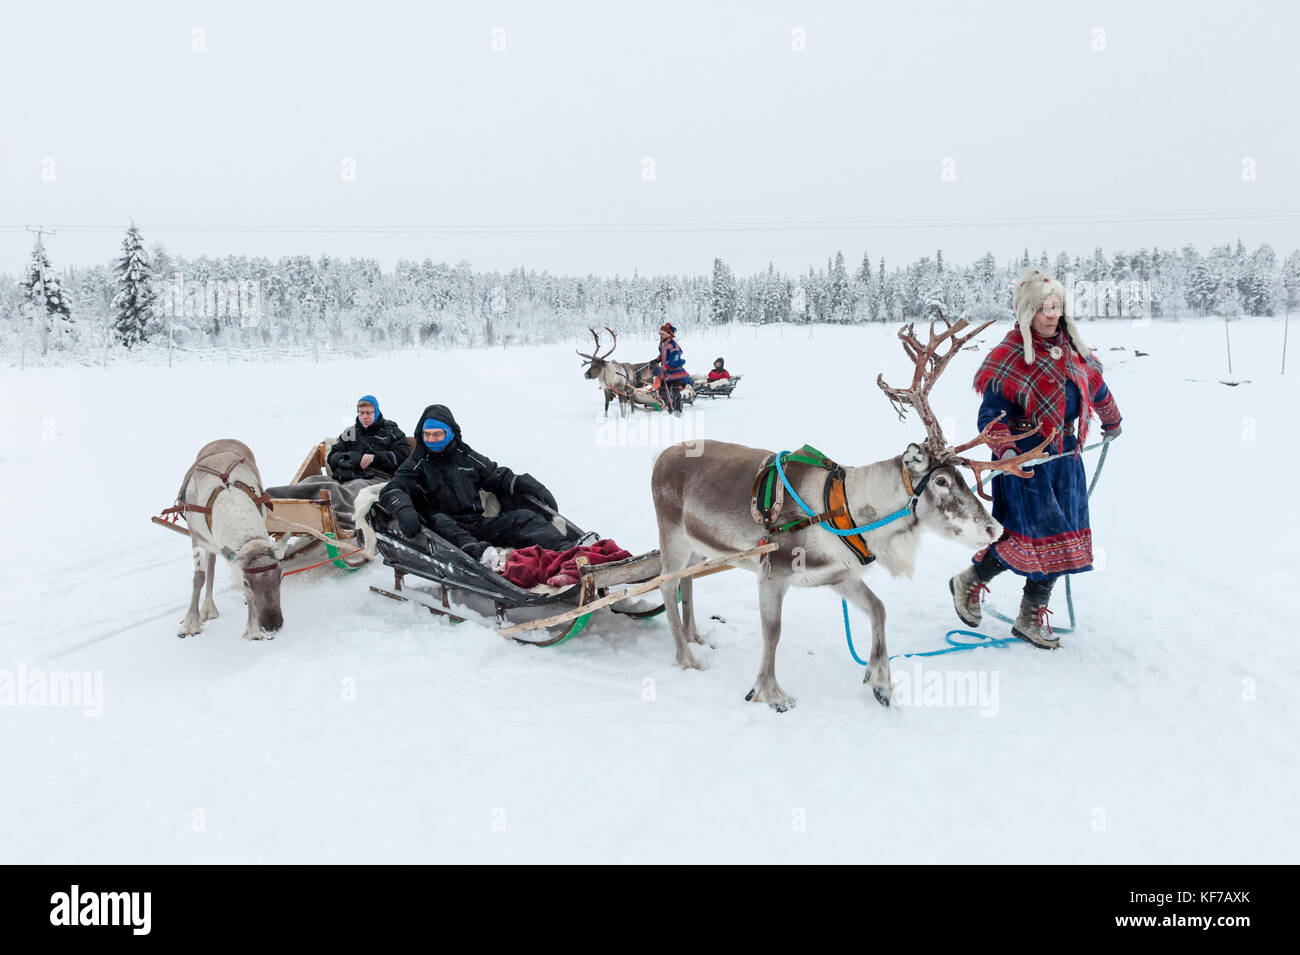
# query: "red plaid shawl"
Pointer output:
{"type": "Point", "coordinates": [1039, 389]}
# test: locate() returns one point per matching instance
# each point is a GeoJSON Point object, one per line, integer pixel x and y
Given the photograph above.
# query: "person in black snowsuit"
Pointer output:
{"type": "Point", "coordinates": [438, 487]}
{"type": "Point", "coordinates": [373, 447]}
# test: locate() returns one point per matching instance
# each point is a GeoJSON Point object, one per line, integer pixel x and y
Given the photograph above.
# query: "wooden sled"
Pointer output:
{"type": "Point", "coordinates": [308, 521]}
{"type": "Point", "coordinates": [715, 389]}
{"type": "Point", "coordinates": [449, 574]}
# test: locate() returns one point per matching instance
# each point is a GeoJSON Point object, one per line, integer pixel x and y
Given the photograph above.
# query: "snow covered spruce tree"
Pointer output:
{"type": "Point", "coordinates": [135, 293]}
{"type": "Point", "coordinates": [45, 298]}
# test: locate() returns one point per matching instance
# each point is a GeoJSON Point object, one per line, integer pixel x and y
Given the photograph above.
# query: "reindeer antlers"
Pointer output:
{"type": "Point", "coordinates": [596, 356]}
{"type": "Point", "coordinates": [1009, 465]}
{"type": "Point", "coordinates": [929, 365]}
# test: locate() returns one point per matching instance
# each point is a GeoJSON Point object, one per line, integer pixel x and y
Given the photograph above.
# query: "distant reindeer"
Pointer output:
{"type": "Point", "coordinates": [224, 487]}
{"type": "Point", "coordinates": [620, 378]}
{"type": "Point", "coordinates": [704, 509]}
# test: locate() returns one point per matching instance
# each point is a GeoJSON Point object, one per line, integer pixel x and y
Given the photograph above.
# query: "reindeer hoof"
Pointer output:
{"type": "Point", "coordinates": [190, 627]}
{"type": "Point", "coordinates": [688, 662]}
{"type": "Point", "coordinates": [778, 701]}
{"type": "Point", "coordinates": [881, 694]}
{"type": "Point", "coordinates": [210, 612]}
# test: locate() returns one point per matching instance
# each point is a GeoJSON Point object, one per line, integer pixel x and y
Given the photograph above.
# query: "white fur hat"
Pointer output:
{"type": "Point", "coordinates": [1036, 287]}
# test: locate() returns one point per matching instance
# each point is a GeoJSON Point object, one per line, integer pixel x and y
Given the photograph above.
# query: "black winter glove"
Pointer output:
{"type": "Point", "coordinates": [408, 522]}
{"type": "Point", "coordinates": [527, 484]}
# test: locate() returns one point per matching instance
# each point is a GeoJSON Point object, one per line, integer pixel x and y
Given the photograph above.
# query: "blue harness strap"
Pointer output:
{"type": "Point", "coordinates": [850, 532]}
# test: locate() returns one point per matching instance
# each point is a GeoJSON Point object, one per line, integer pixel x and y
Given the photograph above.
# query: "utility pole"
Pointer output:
{"type": "Point", "coordinates": [45, 330]}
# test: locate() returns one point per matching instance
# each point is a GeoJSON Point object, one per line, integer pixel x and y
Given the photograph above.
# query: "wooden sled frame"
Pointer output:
{"type": "Point", "coordinates": [315, 513]}
{"type": "Point", "coordinates": [722, 389]}
{"type": "Point", "coordinates": [634, 575]}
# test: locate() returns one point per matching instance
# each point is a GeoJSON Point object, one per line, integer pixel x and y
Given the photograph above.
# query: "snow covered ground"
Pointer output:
{"type": "Point", "coordinates": [1164, 730]}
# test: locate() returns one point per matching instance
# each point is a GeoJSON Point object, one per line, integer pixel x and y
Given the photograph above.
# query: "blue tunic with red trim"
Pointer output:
{"type": "Point", "coordinates": [1045, 517]}
{"type": "Point", "coordinates": [671, 362]}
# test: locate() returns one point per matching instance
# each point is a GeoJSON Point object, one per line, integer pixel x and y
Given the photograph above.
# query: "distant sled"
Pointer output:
{"type": "Point", "coordinates": [722, 388]}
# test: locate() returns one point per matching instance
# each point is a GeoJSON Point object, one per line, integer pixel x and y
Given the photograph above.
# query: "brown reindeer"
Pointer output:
{"type": "Point", "coordinates": [702, 495]}
{"type": "Point", "coordinates": [620, 378]}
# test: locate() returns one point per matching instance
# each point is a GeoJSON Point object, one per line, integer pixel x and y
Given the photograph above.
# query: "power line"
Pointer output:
{"type": "Point", "coordinates": [794, 225]}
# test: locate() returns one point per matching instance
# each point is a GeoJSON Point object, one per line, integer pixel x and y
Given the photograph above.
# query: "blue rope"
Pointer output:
{"type": "Point", "coordinates": [995, 642]}
{"type": "Point", "coordinates": [849, 635]}
{"type": "Point", "coordinates": [1104, 444]}
{"type": "Point", "coordinates": [852, 531]}
{"type": "Point", "coordinates": [954, 646]}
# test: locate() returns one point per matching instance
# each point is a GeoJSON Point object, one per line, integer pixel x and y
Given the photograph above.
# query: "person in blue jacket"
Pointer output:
{"type": "Point", "coordinates": [438, 487]}
{"type": "Point", "coordinates": [671, 368]}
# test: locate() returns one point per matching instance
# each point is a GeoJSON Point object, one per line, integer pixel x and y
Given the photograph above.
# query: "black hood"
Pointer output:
{"type": "Point", "coordinates": [438, 413]}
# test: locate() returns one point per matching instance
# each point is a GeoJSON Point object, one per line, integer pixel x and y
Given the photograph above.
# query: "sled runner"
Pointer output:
{"type": "Point", "coordinates": [540, 616]}
{"type": "Point", "coordinates": [313, 516]}
{"type": "Point", "coordinates": [649, 396]}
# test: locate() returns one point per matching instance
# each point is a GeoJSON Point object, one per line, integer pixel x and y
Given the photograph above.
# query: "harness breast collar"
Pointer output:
{"type": "Point", "coordinates": [771, 484]}
{"type": "Point", "coordinates": [181, 507]}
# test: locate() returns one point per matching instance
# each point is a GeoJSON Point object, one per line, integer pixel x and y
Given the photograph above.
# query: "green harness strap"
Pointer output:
{"type": "Point", "coordinates": [805, 455]}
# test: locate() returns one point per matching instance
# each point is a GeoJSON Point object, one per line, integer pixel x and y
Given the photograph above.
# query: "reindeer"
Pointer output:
{"type": "Point", "coordinates": [225, 487]}
{"type": "Point", "coordinates": [620, 378]}
{"type": "Point", "coordinates": [703, 510]}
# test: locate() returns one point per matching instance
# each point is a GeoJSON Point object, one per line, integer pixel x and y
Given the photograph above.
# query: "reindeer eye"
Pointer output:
{"type": "Point", "coordinates": [941, 481]}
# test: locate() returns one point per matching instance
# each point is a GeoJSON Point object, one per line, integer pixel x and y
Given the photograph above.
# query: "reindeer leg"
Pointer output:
{"type": "Point", "coordinates": [771, 595]}
{"type": "Point", "coordinates": [672, 559]}
{"type": "Point", "coordinates": [608, 393]}
{"type": "Point", "coordinates": [251, 630]}
{"type": "Point", "coordinates": [192, 623]}
{"type": "Point", "coordinates": [878, 675]}
{"type": "Point", "coordinates": [210, 608]}
{"type": "Point", "coordinates": [687, 587]}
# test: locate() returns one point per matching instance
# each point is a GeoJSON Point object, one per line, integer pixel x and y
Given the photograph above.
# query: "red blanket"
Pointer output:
{"type": "Point", "coordinates": [529, 566]}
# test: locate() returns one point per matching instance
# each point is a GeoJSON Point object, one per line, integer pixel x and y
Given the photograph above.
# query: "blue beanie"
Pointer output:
{"type": "Point", "coordinates": [431, 424]}
{"type": "Point", "coordinates": [373, 403]}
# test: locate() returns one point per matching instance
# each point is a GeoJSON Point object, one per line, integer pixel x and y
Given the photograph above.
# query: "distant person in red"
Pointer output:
{"type": "Point", "coordinates": [719, 372]}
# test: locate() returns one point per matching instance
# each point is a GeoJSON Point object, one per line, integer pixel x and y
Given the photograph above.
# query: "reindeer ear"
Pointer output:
{"type": "Point", "coordinates": [281, 546]}
{"type": "Point", "coordinates": [916, 459]}
{"type": "Point", "coordinates": [227, 553]}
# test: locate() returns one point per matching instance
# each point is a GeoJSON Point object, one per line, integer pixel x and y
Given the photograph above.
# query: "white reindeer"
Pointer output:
{"type": "Point", "coordinates": [223, 489]}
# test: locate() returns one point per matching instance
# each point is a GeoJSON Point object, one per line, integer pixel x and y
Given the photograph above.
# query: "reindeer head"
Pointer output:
{"type": "Point", "coordinates": [595, 361]}
{"type": "Point", "coordinates": [943, 501]}
{"type": "Point", "coordinates": [260, 561]}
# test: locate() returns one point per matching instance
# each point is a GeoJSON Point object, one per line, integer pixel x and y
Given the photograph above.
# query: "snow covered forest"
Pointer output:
{"type": "Point", "coordinates": [146, 303]}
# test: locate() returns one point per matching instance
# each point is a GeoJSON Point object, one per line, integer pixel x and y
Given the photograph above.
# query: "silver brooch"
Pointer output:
{"type": "Point", "coordinates": [1055, 352]}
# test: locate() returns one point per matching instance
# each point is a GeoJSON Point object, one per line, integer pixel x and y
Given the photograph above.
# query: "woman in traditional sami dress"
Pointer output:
{"type": "Point", "coordinates": [1041, 373]}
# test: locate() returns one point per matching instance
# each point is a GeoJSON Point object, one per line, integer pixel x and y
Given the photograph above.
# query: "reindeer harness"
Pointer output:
{"type": "Point", "coordinates": [771, 483]}
{"type": "Point", "coordinates": [181, 508]}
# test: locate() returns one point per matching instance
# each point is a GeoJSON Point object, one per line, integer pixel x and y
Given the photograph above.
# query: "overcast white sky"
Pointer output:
{"type": "Point", "coordinates": [554, 130]}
